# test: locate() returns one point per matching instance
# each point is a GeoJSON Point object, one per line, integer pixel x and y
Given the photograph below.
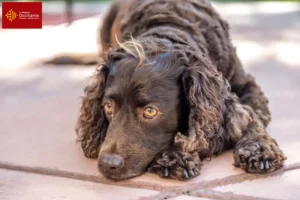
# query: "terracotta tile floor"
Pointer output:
{"type": "Point", "coordinates": [40, 159]}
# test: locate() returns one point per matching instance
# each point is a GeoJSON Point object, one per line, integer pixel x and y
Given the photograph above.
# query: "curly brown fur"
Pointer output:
{"type": "Point", "coordinates": [256, 151]}
{"type": "Point", "coordinates": [182, 63]}
{"type": "Point", "coordinates": [92, 124]}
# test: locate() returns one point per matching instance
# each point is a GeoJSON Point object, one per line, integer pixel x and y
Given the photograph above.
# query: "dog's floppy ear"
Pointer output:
{"type": "Point", "coordinates": [92, 124]}
{"type": "Point", "coordinates": [203, 87]}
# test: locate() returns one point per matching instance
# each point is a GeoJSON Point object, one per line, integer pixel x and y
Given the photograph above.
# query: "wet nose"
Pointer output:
{"type": "Point", "coordinates": [111, 161]}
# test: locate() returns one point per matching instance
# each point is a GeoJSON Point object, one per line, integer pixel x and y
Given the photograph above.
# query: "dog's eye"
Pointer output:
{"type": "Point", "coordinates": [150, 112]}
{"type": "Point", "coordinates": [108, 108]}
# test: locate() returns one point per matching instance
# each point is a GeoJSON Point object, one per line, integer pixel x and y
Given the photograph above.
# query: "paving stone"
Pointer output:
{"type": "Point", "coordinates": [25, 186]}
{"type": "Point", "coordinates": [38, 116]}
{"type": "Point", "coordinates": [284, 186]}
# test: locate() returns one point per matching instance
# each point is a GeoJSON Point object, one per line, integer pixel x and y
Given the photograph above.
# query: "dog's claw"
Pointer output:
{"type": "Point", "coordinates": [185, 174]}
{"type": "Point", "coordinates": [192, 173]}
{"type": "Point", "coordinates": [166, 172]}
{"type": "Point", "coordinates": [261, 166]}
{"type": "Point", "coordinates": [250, 164]}
{"type": "Point", "coordinates": [196, 170]}
{"type": "Point", "coordinates": [185, 161]}
{"type": "Point", "coordinates": [267, 164]}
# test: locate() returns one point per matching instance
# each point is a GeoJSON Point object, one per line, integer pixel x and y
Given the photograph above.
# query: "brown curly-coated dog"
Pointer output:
{"type": "Point", "coordinates": [170, 92]}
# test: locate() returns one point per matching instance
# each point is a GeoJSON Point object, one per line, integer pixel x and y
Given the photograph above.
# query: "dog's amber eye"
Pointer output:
{"type": "Point", "coordinates": [108, 108]}
{"type": "Point", "coordinates": [150, 112]}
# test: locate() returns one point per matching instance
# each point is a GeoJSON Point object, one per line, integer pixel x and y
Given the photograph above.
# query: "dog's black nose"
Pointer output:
{"type": "Point", "coordinates": [111, 161]}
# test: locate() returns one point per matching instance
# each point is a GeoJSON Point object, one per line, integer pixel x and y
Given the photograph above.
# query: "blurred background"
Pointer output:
{"type": "Point", "coordinates": [39, 103]}
{"type": "Point", "coordinates": [69, 20]}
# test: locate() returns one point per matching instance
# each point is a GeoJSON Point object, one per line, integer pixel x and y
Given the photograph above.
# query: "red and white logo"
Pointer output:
{"type": "Point", "coordinates": [25, 15]}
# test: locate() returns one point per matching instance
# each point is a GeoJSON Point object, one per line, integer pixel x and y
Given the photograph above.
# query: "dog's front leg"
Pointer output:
{"type": "Point", "coordinates": [176, 164]}
{"type": "Point", "coordinates": [255, 150]}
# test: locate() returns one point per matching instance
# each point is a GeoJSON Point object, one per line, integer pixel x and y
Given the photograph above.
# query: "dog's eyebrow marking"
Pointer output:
{"type": "Point", "coordinates": [113, 95]}
{"type": "Point", "coordinates": [112, 92]}
{"type": "Point", "coordinates": [141, 101]}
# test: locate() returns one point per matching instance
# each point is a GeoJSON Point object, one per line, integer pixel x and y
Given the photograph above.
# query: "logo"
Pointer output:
{"type": "Point", "coordinates": [11, 15]}
{"type": "Point", "coordinates": [25, 15]}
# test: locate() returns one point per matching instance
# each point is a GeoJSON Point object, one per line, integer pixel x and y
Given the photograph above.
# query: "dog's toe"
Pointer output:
{"type": "Point", "coordinates": [192, 173]}
{"type": "Point", "coordinates": [179, 166]}
{"type": "Point", "coordinates": [185, 174]}
{"type": "Point", "coordinates": [166, 172]}
{"type": "Point", "coordinates": [259, 157]}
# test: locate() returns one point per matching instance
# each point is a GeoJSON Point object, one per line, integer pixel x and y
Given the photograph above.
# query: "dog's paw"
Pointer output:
{"type": "Point", "coordinates": [172, 164]}
{"type": "Point", "coordinates": [259, 156]}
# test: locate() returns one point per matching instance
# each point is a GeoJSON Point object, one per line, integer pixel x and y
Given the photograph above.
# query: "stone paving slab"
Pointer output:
{"type": "Point", "coordinates": [25, 186]}
{"type": "Point", "coordinates": [284, 186]}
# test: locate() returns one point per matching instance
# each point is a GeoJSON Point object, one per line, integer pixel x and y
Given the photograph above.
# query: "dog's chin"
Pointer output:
{"type": "Point", "coordinates": [119, 175]}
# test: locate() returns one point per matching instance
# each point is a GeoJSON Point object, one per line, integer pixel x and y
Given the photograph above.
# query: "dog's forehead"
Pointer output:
{"type": "Point", "coordinates": [126, 71]}
{"type": "Point", "coordinates": [147, 80]}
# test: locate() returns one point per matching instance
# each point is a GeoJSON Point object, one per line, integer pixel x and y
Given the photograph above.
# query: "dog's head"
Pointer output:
{"type": "Point", "coordinates": [139, 100]}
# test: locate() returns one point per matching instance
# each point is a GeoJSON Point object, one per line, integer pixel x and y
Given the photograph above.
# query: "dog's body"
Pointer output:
{"type": "Point", "coordinates": [172, 96]}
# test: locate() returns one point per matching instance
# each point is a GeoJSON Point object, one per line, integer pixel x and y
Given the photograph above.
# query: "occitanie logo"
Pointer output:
{"type": "Point", "coordinates": [11, 15]}
{"type": "Point", "coordinates": [21, 15]}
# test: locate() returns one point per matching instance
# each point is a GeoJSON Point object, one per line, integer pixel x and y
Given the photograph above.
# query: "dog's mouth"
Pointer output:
{"type": "Point", "coordinates": [121, 174]}
{"type": "Point", "coordinates": [118, 175]}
